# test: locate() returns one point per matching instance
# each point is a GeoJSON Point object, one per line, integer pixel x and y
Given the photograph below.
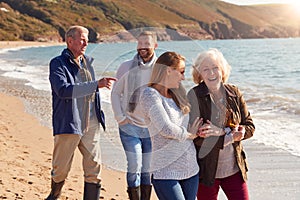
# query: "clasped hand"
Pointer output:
{"type": "Point", "coordinates": [194, 128]}
{"type": "Point", "coordinates": [238, 133]}
{"type": "Point", "coordinates": [209, 129]}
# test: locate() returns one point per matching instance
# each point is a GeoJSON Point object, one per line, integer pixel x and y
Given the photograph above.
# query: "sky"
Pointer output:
{"type": "Point", "coordinates": [249, 2]}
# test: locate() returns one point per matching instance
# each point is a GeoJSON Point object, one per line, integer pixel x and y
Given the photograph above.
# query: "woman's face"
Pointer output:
{"type": "Point", "coordinates": [211, 73]}
{"type": "Point", "coordinates": [176, 75]}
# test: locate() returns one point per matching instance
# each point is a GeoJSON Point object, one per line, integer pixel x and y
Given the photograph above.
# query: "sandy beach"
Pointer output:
{"type": "Point", "coordinates": [26, 149]}
{"type": "Point", "coordinates": [25, 158]}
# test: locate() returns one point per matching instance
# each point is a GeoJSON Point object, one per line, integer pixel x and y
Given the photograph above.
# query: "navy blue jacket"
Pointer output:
{"type": "Point", "coordinates": [68, 92]}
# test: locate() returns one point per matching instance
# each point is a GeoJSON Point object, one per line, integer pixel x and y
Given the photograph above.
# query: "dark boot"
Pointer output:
{"type": "Point", "coordinates": [91, 191]}
{"type": "Point", "coordinates": [146, 192]}
{"type": "Point", "coordinates": [134, 193]}
{"type": "Point", "coordinates": [55, 190]}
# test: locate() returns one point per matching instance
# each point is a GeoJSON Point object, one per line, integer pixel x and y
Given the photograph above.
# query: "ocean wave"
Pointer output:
{"type": "Point", "coordinates": [253, 100]}
{"type": "Point", "coordinates": [5, 50]}
{"type": "Point", "coordinates": [275, 103]}
{"type": "Point", "coordinates": [271, 131]}
{"type": "Point", "coordinates": [295, 72]}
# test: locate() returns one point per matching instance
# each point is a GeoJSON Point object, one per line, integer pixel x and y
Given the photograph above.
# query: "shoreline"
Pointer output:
{"type": "Point", "coordinates": [21, 44]}
{"type": "Point", "coordinates": [26, 149]}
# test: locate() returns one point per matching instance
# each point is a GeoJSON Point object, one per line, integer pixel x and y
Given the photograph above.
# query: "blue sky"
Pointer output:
{"type": "Point", "coordinates": [249, 2]}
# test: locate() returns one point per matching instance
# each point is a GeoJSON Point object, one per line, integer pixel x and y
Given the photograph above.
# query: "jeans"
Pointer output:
{"type": "Point", "coordinates": [137, 145]}
{"type": "Point", "coordinates": [176, 189]}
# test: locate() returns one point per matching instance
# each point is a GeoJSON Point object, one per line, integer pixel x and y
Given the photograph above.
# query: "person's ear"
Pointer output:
{"type": "Point", "coordinates": [69, 40]}
{"type": "Point", "coordinates": [169, 69]}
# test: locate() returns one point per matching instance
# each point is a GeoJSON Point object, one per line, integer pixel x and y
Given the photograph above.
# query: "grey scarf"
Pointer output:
{"type": "Point", "coordinates": [134, 81]}
{"type": "Point", "coordinates": [86, 77]}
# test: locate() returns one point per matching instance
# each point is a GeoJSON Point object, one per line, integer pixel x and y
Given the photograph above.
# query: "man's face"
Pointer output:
{"type": "Point", "coordinates": [78, 44]}
{"type": "Point", "coordinates": [146, 47]}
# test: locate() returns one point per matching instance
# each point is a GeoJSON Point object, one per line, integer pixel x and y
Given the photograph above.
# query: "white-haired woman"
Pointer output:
{"type": "Point", "coordinates": [227, 122]}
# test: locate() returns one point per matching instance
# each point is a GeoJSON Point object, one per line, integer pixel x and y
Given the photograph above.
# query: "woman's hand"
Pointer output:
{"type": "Point", "coordinates": [209, 129]}
{"type": "Point", "coordinates": [239, 133]}
{"type": "Point", "coordinates": [194, 128]}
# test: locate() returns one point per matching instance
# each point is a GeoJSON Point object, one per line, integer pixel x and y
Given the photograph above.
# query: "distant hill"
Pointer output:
{"type": "Point", "coordinates": [110, 20]}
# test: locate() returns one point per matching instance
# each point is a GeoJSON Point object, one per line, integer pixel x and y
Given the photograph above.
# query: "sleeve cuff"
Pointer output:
{"type": "Point", "coordinates": [120, 118]}
{"type": "Point", "coordinates": [228, 139]}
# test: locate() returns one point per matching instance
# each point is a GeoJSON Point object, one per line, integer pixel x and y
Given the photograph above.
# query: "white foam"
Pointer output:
{"type": "Point", "coordinates": [37, 76]}
{"type": "Point", "coordinates": [284, 135]}
{"type": "Point", "coordinates": [18, 48]}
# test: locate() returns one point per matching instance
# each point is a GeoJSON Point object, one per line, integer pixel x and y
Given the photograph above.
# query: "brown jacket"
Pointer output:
{"type": "Point", "coordinates": [208, 149]}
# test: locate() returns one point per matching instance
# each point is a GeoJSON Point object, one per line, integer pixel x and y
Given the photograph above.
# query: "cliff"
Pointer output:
{"type": "Point", "coordinates": [115, 20]}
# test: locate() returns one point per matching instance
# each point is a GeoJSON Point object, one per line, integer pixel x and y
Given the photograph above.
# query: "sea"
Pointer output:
{"type": "Point", "coordinates": [267, 71]}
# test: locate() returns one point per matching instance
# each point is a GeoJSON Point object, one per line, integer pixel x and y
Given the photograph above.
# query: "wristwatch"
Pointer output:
{"type": "Point", "coordinates": [227, 130]}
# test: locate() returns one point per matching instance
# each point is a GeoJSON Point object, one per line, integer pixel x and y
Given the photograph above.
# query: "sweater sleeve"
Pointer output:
{"type": "Point", "coordinates": [154, 110]}
{"type": "Point", "coordinates": [117, 93]}
{"type": "Point", "coordinates": [116, 98]}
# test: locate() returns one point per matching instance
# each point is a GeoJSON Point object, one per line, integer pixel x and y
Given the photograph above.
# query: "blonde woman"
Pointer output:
{"type": "Point", "coordinates": [174, 166]}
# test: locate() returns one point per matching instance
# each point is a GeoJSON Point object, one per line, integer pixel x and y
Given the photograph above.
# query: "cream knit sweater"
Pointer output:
{"type": "Point", "coordinates": [173, 155]}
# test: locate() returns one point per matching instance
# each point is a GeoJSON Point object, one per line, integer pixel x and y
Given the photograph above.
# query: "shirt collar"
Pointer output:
{"type": "Point", "coordinates": [203, 90]}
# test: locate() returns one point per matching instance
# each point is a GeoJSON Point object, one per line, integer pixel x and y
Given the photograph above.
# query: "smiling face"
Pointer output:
{"type": "Point", "coordinates": [145, 47]}
{"type": "Point", "coordinates": [211, 73]}
{"type": "Point", "coordinates": [175, 75]}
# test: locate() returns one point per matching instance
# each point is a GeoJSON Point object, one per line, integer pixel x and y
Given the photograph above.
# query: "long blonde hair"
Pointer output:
{"type": "Point", "coordinates": [159, 72]}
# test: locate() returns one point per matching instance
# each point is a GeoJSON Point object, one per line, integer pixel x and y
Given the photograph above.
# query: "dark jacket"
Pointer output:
{"type": "Point", "coordinates": [208, 149]}
{"type": "Point", "coordinates": [68, 94]}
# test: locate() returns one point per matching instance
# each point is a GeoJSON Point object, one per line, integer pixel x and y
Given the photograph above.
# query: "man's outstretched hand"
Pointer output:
{"type": "Point", "coordinates": [106, 82]}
